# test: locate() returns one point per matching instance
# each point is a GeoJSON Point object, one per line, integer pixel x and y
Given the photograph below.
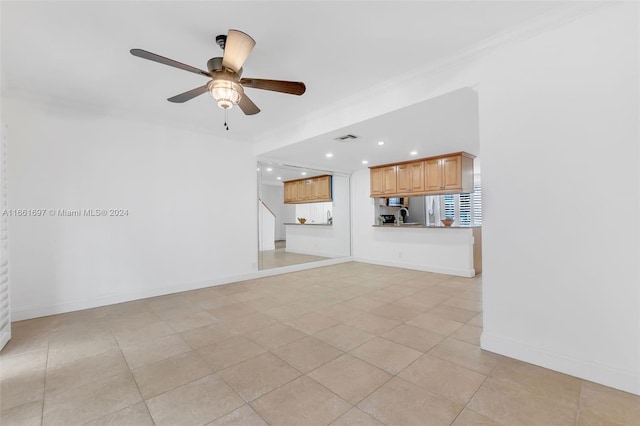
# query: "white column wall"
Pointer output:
{"type": "Point", "coordinates": [559, 132]}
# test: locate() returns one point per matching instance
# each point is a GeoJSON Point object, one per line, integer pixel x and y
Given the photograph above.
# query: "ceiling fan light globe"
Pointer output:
{"type": "Point", "coordinates": [226, 93]}
{"type": "Point", "coordinates": [225, 104]}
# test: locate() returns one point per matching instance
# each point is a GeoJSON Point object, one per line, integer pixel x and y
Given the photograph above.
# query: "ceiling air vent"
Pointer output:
{"type": "Point", "coordinates": [346, 137]}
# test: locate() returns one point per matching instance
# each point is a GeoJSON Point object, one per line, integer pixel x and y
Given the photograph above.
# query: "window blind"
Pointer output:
{"type": "Point", "coordinates": [477, 204]}
{"type": "Point", "coordinates": [449, 206]}
{"type": "Point", "coordinates": [465, 209]}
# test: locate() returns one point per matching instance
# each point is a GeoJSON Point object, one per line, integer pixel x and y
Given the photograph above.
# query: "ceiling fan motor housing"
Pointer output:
{"type": "Point", "coordinates": [214, 64]}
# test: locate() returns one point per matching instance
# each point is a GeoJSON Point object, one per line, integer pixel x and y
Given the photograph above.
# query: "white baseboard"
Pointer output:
{"type": "Point", "coordinates": [467, 273]}
{"type": "Point", "coordinates": [5, 336]}
{"type": "Point", "coordinates": [314, 253]}
{"type": "Point", "coordinates": [627, 381]}
{"type": "Point", "coordinates": [78, 305]}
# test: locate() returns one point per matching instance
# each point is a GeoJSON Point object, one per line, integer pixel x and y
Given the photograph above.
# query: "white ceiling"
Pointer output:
{"type": "Point", "coordinates": [77, 54]}
{"type": "Point", "coordinates": [448, 123]}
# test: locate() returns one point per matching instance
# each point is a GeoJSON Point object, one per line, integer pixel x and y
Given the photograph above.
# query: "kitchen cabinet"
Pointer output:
{"type": "Point", "coordinates": [309, 190]}
{"type": "Point", "coordinates": [383, 181]}
{"type": "Point", "coordinates": [377, 182]}
{"type": "Point", "coordinates": [389, 178]}
{"type": "Point", "coordinates": [290, 192]}
{"type": "Point", "coordinates": [403, 178]}
{"type": "Point", "coordinates": [444, 174]}
{"type": "Point", "coordinates": [449, 174]}
{"type": "Point", "coordinates": [410, 177]}
{"type": "Point", "coordinates": [322, 188]}
{"type": "Point", "coordinates": [433, 175]}
{"type": "Point", "coordinates": [304, 190]}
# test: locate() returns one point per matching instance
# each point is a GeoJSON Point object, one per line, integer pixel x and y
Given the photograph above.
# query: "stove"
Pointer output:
{"type": "Point", "coordinates": [388, 218]}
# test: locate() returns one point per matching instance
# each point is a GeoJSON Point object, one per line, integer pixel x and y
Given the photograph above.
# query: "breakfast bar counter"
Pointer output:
{"type": "Point", "coordinates": [393, 225]}
{"type": "Point", "coordinates": [307, 224]}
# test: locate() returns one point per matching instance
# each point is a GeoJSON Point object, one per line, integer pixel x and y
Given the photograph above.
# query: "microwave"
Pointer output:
{"type": "Point", "coordinates": [395, 202]}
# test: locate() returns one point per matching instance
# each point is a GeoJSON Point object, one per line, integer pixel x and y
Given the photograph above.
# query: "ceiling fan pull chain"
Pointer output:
{"type": "Point", "coordinates": [226, 119]}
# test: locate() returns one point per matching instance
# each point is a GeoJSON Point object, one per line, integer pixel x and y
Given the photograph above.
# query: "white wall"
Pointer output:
{"type": "Point", "coordinates": [267, 227]}
{"type": "Point", "coordinates": [559, 122]}
{"type": "Point", "coordinates": [273, 197]}
{"type": "Point", "coordinates": [329, 241]}
{"type": "Point", "coordinates": [179, 233]}
{"type": "Point", "coordinates": [5, 300]}
{"type": "Point", "coordinates": [446, 251]}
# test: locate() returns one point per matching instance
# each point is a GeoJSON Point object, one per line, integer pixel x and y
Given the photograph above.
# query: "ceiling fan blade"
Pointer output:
{"type": "Point", "coordinates": [247, 106]}
{"type": "Point", "coordinates": [161, 59]}
{"type": "Point", "coordinates": [186, 96]}
{"type": "Point", "coordinates": [291, 87]}
{"type": "Point", "coordinates": [237, 49]}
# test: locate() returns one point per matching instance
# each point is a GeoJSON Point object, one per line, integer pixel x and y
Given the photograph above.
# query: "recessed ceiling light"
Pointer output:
{"type": "Point", "coordinates": [303, 173]}
{"type": "Point", "coordinates": [279, 178]}
{"type": "Point", "coordinates": [413, 153]}
{"type": "Point", "coordinates": [329, 155]}
{"type": "Point", "coordinates": [269, 169]}
{"type": "Point", "coordinates": [381, 143]}
{"type": "Point", "coordinates": [365, 162]}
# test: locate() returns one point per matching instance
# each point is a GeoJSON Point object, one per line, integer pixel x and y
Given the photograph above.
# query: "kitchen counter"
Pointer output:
{"type": "Point", "coordinates": [393, 225]}
{"type": "Point", "coordinates": [308, 224]}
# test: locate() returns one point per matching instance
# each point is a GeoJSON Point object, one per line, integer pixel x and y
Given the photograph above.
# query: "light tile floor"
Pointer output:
{"type": "Point", "coordinates": [269, 259]}
{"type": "Point", "coordinates": [349, 344]}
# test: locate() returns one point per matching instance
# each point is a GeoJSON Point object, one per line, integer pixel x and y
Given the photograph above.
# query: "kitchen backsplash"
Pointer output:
{"type": "Point", "coordinates": [314, 212]}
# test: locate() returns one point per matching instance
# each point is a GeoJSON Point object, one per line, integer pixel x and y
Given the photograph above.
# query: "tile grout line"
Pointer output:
{"type": "Point", "coordinates": [470, 399]}
{"type": "Point", "coordinates": [579, 402]}
{"type": "Point", "coordinates": [135, 382]}
{"type": "Point", "coordinates": [44, 386]}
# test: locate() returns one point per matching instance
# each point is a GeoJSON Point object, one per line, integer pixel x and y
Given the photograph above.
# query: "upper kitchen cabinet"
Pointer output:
{"type": "Point", "coordinates": [410, 177]}
{"type": "Point", "coordinates": [311, 190]}
{"type": "Point", "coordinates": [377, 182]}
{"type": "Point", "coordinates": [449, 174]}
{"type": "Point", "coordinates": [444, 174]}
{"type": "Point", "coordinates": [290, 192]}
{"type": "Point", "coordinates": [383, 181]}
{"type": "Point", "coordinates": [321, 188]}
{"type": "Point", "coordinates": [389, 179]}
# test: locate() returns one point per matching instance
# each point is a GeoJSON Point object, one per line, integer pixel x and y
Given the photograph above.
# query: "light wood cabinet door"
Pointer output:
{"type": "Point", "coordinates": [451, 172]}
{"type": "Point", "coordinates": [308, 190]}
{"type": "Point", "coordinates": [377, 181]}
{"type": "Point", "coordinates": [323, 188]}
{"type": "Point", "coordinates": [403, 178]}
{"type": "Point", "coordinates": [389, 178]}
{"type": "Point", "coordinates": [304, 190]}
{"type": "Point", "coordinates": [290, 192]}
{"type": "Point", "coordinates": [313, 189]}
{"type": "Point", "coordinates": [432, 175]}
{"type": "Point", "coordinates": [416, 172]}
{"type": "Point", "coordinates": [445, 174]}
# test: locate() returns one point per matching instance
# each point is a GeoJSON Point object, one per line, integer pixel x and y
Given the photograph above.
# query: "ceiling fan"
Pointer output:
{"type": "Point", "coordinates": [226, 84]}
